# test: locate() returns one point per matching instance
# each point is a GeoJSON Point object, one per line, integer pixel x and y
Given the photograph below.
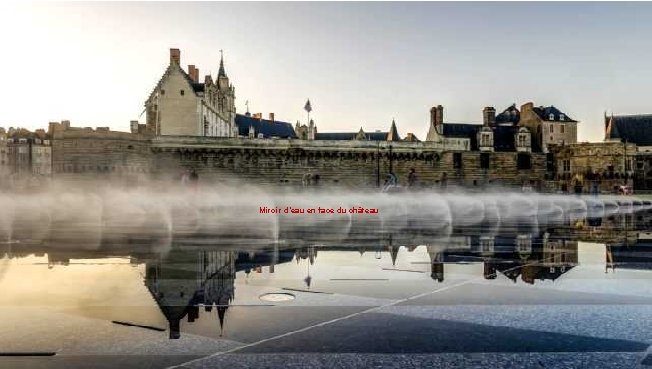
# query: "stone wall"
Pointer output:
{"type": "Point", "coordinates": [605, 163]}
{"type": "Point", "coordinates": [339, 163]}
{"type": "Point", "coordinates": [79, 154]}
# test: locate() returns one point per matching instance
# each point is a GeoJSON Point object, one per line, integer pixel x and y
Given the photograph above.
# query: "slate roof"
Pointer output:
{"type": "Point", "coordinates": [504, 136]}
{"type": "Point", "coordinates": [268, 128]}
{"type": "Point", "coordinates": [196, 87]}
{"type": "Point", "coordinates": [544, 113]}
{"type": "Point", "coordinates": [335, 136]}
{"type": "Point", "coordinates": [343, 136]}
{"type": "Point", "coordinates": [462, 130]}
{"type": "Point", "coordinates": [393, 133]}
{"type": "Point", "coordinates": [509, 115]}
{"type": "Point", "coordinates": [632, 128]}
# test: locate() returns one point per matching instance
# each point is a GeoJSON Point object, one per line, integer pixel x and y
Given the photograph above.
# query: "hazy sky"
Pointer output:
{"type": "Point", "coordinates": [361, 64]}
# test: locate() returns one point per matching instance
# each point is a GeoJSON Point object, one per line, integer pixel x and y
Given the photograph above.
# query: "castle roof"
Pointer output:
{"type": "Point", "coordinates": [509, 115]}
{"type": "Point", "coordinates": [631, 128]}
{"type": "Point", "coordinates": [269, 128]}
{"type": "Point", "coordinates": [343, 136]}
{"type": "Point", "coordinates": [546, 112]}
{"type": "Point", "coordinates": [462, 130]}
{"type": "Point", "coordinates": [393, 133]}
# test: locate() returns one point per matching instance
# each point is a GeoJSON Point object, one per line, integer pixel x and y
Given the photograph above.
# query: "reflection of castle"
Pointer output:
{"type": "Point", "coordinates": [525, 255]}
{"type": "Point", "coordinates": [184, 280]}
{"type": "Point", "coordinates": [636, 254]}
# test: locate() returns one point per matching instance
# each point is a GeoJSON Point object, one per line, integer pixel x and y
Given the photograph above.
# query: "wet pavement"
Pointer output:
{"type": "Point", "coordinates": [575, 292]}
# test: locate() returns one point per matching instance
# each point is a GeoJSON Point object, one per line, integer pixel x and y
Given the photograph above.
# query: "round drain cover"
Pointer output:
{"type": "Point", "coordinates": [277, 297]}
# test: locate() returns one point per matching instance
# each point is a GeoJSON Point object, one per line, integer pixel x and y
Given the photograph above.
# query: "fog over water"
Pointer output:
{"type": "Point", "coordinates": [231, 216]}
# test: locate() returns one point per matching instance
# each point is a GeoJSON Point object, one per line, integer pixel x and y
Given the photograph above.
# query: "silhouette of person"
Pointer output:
{"type": "Point", "coordinates": [193, 179]}
{"type": "Point", "coordinates": [412, 178]}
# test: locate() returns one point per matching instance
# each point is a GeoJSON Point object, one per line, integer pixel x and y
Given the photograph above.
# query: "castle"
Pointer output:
{"type": "Point", "coordinates": [193, 125]}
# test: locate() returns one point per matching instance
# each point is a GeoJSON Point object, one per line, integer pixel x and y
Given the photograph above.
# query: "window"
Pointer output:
{"type": "Point", "coordinates": [562, 127]}
{"type": "Point", "coordinates": [561, 117]}
{"type": "Point", "coordinates": [486, 139]}
{"type": "Point", "coordinates": [550, 162]}
{"type": "Point", "coordinates": [522, 140]}
{"type": "Point", "coordinates": [523, 161]}
{"type": "Point", "coordinates": [552, 128]}
{"type": "Point", "coordinates": [484, 160]}
{"type": "Point", "coordinates": [182, 92]}
{"type": "Point", "coordinates": [457, 160]}
{"type": "Point", "coordinates": [566, 165]}
{"type": "Point", "coordinates": [162, 92]}
{"type": "Point", "coordinates": [551, 117]}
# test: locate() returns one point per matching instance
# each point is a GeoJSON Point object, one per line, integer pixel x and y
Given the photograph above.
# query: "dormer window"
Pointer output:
{"type": "Point", "coordinates": [551, 117]}
{"type": "Point", "coordinates": [561, 117]}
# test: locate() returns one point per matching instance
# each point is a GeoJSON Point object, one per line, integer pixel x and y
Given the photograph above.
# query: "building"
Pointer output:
{"type": "Point", "coordinates": [497, 151]}
{"type": "Point", "coordinates": [532, 129]}
{"type": "Point", "coordinates": [306, 132]}
{"type": "Point", "coordinates": [594, 166]}
{"type": "Point", "coordinates": [361, 135]}
{"type": "Point", "coordinates": [181, 105]}
{"type": "Point", "coordinates": [25, 155]}
{"type": "Point", "coordinates": [549, 126]}
{"type": "Point", "coordinates": [634, 129]}
{"type": "Point", "coordinates": [256, 127]}
{"type": "Point", "coordinates": [4, 155]}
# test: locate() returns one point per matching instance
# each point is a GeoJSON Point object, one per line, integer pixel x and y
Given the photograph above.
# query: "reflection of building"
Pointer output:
{"type": "Point", "coordinates": [636, 254]}
{"type": "Point", "coordinates": [183, 281]}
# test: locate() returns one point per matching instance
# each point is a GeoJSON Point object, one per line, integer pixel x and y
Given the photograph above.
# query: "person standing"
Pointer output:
{"type": "Point", "coordinates": [412, 178]}
{"type": "Point", "coordinates": [193, 179]}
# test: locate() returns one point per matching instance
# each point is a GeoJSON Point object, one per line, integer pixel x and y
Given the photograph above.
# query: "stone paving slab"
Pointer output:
{"type": "Point", "coordinates": [391, 333]}
{"type": "Point", "coordinates": [536, 360]}
{"type": "Point", "coordinates": [627, 322]}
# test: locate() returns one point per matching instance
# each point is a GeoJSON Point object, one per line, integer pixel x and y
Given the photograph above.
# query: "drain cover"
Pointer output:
{"type": "Point", "coordinates": [277, 297]}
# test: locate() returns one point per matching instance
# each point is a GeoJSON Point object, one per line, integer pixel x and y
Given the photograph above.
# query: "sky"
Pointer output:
{"type": "Point", "coordinates": [361, 64]}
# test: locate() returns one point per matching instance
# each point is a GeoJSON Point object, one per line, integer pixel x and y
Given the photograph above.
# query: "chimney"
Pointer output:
{"type": "Point", "coordinates": [195, 76]}
{"type": "Point", "coordinates": [258, 116]}
{"type": "Point", "coordinates": [175, 56]}
{"type": "Point", "coordinates": [489, 116]}
{"type": "Point", "coordinates": [191, 73]}
{"type": "Point", "coordinates": [271, 116]}
{"type": "Point", "coordinates": [436, 115]}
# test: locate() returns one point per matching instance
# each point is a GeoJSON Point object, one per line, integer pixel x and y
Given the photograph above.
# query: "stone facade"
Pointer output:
{"type": "Point", "coordinates": [25, 157]}
{"type": "Point", "coordinates": [606, 165]}
{"type": "Point", "coordinates": [4, 155]}
{"type": "Point", "coordinates": [341, 163]}
{"type": "Point", "coordinates": [180, 105]}
{"type": "Point", "coordinates": [99, 154]}
{"type": "Point", "coordinates": [548, 125]}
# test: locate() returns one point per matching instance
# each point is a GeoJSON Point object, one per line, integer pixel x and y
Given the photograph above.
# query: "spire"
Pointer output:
{"type": "Point", "coordinates": [393, 135]}
{"type": "Point", "coordinates": [221, 311]}
{"type": "Point", "coordinates": [393, 251]}
{"type": "Point", "coordinates": [221, 72]}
